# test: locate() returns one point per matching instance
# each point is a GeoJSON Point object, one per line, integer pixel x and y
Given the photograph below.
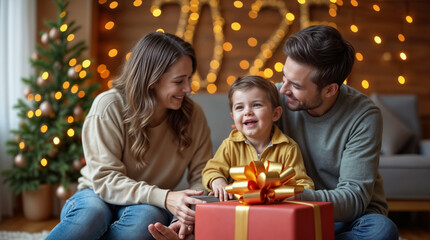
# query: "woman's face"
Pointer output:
{"type": "Point", "coordinates": [174, 85]}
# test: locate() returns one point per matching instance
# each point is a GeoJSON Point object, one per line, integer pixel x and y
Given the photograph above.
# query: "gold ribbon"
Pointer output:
{"type": "Point", "coordinates": [242, 213]}
{"type": "Point", "coordinates": [263, 183]}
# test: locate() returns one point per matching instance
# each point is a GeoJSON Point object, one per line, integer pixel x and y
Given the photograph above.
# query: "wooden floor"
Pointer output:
{"type": "Point", "coordinates": [19, 223]}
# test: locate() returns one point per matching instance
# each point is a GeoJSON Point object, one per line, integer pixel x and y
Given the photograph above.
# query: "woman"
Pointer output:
{"type": "Point", "coordinates": [138, 139]}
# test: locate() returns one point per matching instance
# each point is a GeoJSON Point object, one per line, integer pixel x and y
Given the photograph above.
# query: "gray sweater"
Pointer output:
{"type": "Point", "coordinates": [341, 153]}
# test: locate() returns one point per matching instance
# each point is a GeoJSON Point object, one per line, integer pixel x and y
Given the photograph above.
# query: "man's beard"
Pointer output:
{"type": "Point", "coordinates": [315, 103]}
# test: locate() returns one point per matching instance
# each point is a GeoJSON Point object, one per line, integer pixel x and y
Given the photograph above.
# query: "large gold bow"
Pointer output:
{"type": "Point", "coordinates": [263, 183]}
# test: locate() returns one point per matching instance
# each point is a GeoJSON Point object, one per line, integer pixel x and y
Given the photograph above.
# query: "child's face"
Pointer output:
{"type": "Point", "coordinates": [253, 114]}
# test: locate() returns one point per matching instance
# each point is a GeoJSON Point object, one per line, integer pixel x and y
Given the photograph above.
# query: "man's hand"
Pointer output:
{"type": "Point", "coordinates": [218, 188]}
{"type": "Point", "coordinates": [177, 202]}
{"type": "Point", "coordinates": [161, 232]}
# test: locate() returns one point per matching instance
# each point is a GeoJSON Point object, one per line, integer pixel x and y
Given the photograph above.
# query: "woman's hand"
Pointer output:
{"type": "Point", "coordinates": [161, 232]}
{"type": "Point", "coordinates": [218, 188]}
{"type": "Point", "coordinates": [177, 203]}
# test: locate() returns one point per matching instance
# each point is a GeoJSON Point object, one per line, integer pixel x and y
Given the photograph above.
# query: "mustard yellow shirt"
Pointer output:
{"type": "Point", "coordinates": [235, 151]}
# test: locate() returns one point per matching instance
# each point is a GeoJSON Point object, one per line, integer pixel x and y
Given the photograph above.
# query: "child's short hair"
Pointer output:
{"type": "Point", "coordinates": [251, 81]}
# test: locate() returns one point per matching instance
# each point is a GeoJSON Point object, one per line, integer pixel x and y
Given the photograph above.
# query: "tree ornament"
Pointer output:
{"type": "Point", "coordinates": [27, 91]}
{"type": "Point", "coordinates": [45, 38]}
{"type": "Point", "coordinates": [77, 164]}
{"type": "Point", "coordinates": [78, 112]}
{"type": "Point", "coordinates": [46, 108]}
{"type": "Point", "coordinates": [57, 66]}
{"type": "Point", "coordinates": [63, 193]}
{"type": "Point", "coordinates": [19, 160]}
{"type": "Point", "coordinates": [41, 82]}
{"type": "Point", "coordinates": [71, 73]}
{"type": "Point", "coordinates": [54, 34]}
{"type": "Point", "coordinates": [53, 152]}
{"type": "Point", "coordinates": [35, 56]}
{"type": "Point", "coordinates": [17, 138]}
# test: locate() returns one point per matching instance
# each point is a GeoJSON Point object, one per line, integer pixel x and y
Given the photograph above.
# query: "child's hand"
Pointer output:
{"type": "Point", "coordinates": [218, 188]}
{"type": "Point", "coordinates": [185, 230]}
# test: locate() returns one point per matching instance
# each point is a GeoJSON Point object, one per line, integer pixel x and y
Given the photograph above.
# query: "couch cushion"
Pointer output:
{"type": "Point", "coordinates": [395, 134]}
{"type": "Point", "coordinates": [406, 176]}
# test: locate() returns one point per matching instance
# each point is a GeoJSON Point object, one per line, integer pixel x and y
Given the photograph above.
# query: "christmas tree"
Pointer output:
{"type": "Point", "coordinates": [47, 146]}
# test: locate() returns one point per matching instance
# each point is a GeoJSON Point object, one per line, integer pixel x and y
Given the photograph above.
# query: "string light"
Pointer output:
{"type": "Point", "coordinates": [70, 132]}
{"type": "Point", "coordinates": [252, 42]}
{"type": "Point", "coordinates": [137, 3]}
{"type": "Point", "coordinates": [37, 97]}
{"type": "Point", "coordinates": [72, 62]}
{"type": "Point", "coordinates": [63, 28]}
{"type": "Point", "coordinates": [86, 63]}
{"type": "Point", "coordinates": [113, 52]}
{"type": "Point", "coordinates": [403, 56]}
{"type": "Point", "coordinates": [66, 85]}
{"type": "Point", "coordinates": [211, 88]}
{"type": "Point", "coordinates": [365, 84]}
{"type": "Point", "coordinates": [21, 145]}
{"type": "Point", "coordinates": [44, 128]}
{"type": "Point", "coordinates": [244, 64]}
{"type": "Point", "coordinates": [70, 37]}
{"type": "Point", "coordinates": [377, 39]}
{"type": "Point", "coordinates": [30, 114]}
{"type": "Point", "coordinates": [38, 113]}
{"type": "Point", "coordinates": [238, 4]}
{"type": "Point", "coordinates": [70, 119]}
{"type": "Point", "coordinates": [279, 66]}
{"type": "Point", "coordinates": [56, 140]}
{"type": "Point", "coordinates": [43, 162]}
{"type": "Point", "coordinates": [230, 80]}
{"type": "Point", "coordinates": [401, 79]}
{"type": "Point", "coordinates": [113, 4]}
{"type": "Point", "coordinates": [227, 46]}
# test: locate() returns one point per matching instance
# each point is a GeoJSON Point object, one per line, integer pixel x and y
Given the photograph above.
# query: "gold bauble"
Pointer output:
{"type": "Point", "coordinates": [77, 164]}
{"type": "Point", "coordinates": [46, 108]}
{"type": "Point", "coordinates": [78, 112]}
{"type": "Point", "coordinates": [35, 56]}
{"type": "Point", "coordinates": [41, 82]}
{"type": "Point", "coordinates": [27, 91]}
{"type": "Point", "coordinates": [44, 38]}
{"type": "Point", "coordinates": [53, 152]}
{"type": "Point", "coordinates": [71, 73]}
{"type": "Point", "coordinates": [63, 193]}
{"type": "Point", "coordinates": [19, 160]}
{"type": "Point", "coordinates": [54, 34]}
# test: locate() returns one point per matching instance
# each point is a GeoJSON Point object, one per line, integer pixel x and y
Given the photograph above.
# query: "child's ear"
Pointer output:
{"type": "Point", "coordinates": [277, 112]}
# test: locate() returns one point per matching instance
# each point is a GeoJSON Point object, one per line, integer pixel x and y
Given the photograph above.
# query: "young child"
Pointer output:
{"type": "Point", "coordinates": [255, 106]}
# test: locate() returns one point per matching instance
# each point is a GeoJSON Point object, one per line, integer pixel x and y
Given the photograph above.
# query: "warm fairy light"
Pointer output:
{"type": "Point", "coordinates": [235, 26]}
{"type": "Point", "coordinates": [365, 84]}
{"type": "Point", "coordinates": [401, 37]}
{"type": "Point", "coordinates": [78, 68]}
{"type": "Point", "coordinates": [376, 7]}
{"type": "Point", "coordinates": [301, 1]}
{"type": "Point", "coordinates": [252, 42]}
{"type": "Point", "coordinates": [74, 89]}
{"type": "Point", "coordinates": [258, 63]}
{"type": "Point", "coordinates": [339, 2]}
{"type": "Point", "coordinates": [403, 56]}
{"type": "Point", "coordinates": [230, 79]}
{"type": "Point", "coordinates": [227, 46]}
{"type": "Point", "coordinates": [102, 1]}
{"type": "Point", "coordinates": [105, 74]}
{"type": "Point", "coordinates": [211, 77]}
{"type": "Point", "coordinates": [113, 52]}
{"type": "Point", "coordinates": [70, 119]}
{"type": "Point", "coordinates": [58, 95]}
{"type": "Point", "coordinates": [214, 64]}
{"type": "Point", "coordinates": [156, 12]}
{"type": "Point", "coordinates": [45, 75]}
{"type": "Point", "coordinates": [37, 97]}
{"type": "Point", "coordinates": [38, 112]}
{"type": "Point", "coordinates": [72, 62]}
{"type": "Point", "coordinates": [127, 56]}
{"type": "Point", "coordinates": [101, 68]}
{"type": "Point", "coordinates": [66, 85]}
{"type": "Point", "coordinates": [409, 19]}
{"type": "Point", "coordinates": [386, 56]}
{"type": "Point", "coordinates": [194, 16]}
{"type": "Point", "coordinates": [244, 64]}
{"type": "Point", "coordinates": [63, 27]}
{"type": "Point", "coordinates": [359, 56]}
{"type": "Point", "coordinates": [290, 16]}
{"type": "Point", "coordinates": [238, 4]}
{"type": "Point", "coordinates": [253, 14]}
{"type": "Point", "coordinates": [332, 12]}
{"type": "Point", "coordinates": [401, 79]}
{"type": "Point", "coordinates": [211, 88]}
{"type": "Point", "coordinates": [44, 128]}
{"type": "Point", "coordinates": [70, 37]}
{"type": "Point", "coordinates": [63, 14]}
{"type": "Point", "coordinates": [195, 86]}
{"type": "Point", "coordinates": [70, 132]}
{"type": "Point", "coordinates": [82, 74]}
{"type": "Point", "coordinates": [377, 39]}
{"type": "Point", "coordinates": [354, 28]}
{"type": "Point", "coordinates": [268, 73]}
{"type": "Point", "coordinates": [109, 25]}
{"type": "Point", "coordinates": [333, 1]}
{"type": "Point", "coordinates": [56, 140]}
{"type": "Point", "coordinates": [113, 5]}
{"type": "Point", "coordinates": [160, 30]}
{"type": "Point", "coordinates": [43, 162]}
{"type": "Point", "coordinates": [137, 3]}
{"type": "Point", "coordinates": [354, 3]}
{"type": "Point", "coordinates": [30, 97]}
{"type": "Point", "coordinates": [279, 66]}
{"type": "Point", "coordinates": [86, 63]}
{"type": "Point", "coordinates": [81, 94]}
{"type": "Point", "coordinates": [21, 145]}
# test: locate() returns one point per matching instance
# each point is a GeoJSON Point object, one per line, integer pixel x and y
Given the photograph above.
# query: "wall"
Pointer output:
{"type": "Point", "coordinates": [380, 68]}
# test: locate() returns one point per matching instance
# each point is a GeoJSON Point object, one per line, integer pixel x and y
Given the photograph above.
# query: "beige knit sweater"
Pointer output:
{"type": "Point", "coordinates": [111, 170]}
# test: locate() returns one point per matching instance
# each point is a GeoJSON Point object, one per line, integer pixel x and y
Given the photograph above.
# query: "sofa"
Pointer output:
{"type": "Point", "coordinates": [405, 157]}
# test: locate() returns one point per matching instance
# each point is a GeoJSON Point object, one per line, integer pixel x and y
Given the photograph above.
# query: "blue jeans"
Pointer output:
{"type": "Point", "coordinates": [370, 226]}
{"type": "Point", "coordinates": [86, 216]}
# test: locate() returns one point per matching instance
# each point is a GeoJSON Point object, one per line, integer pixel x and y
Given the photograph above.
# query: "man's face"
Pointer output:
{"type": "Point", "coordinates": [302, 93]}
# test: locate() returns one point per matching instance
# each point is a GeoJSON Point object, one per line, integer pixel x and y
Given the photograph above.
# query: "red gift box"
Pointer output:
{"type": "Point", "coordinates": [287, 220]}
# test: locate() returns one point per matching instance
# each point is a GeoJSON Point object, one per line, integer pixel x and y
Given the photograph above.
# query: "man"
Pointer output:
{"type": "Point", "coordinates": [339, 131]}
